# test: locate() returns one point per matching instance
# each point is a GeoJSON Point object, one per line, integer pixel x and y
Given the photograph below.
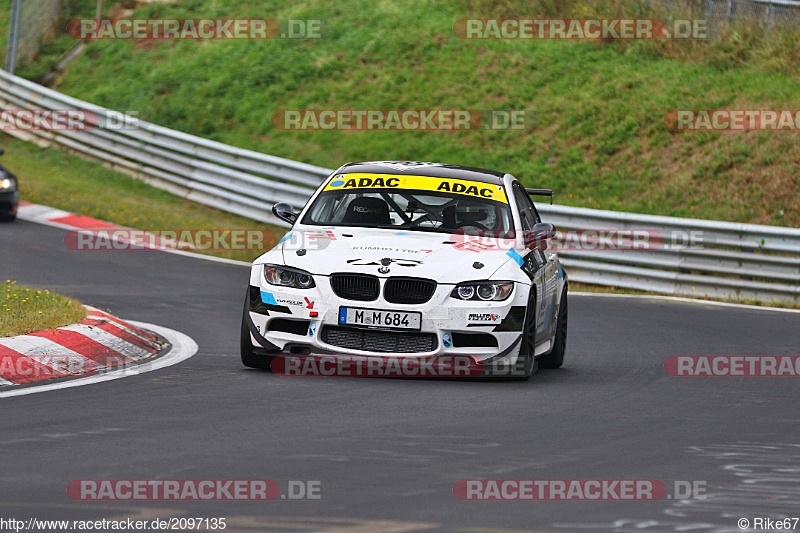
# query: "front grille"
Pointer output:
{"type": "Point", "coordinates": [408, 290]}
{"type": "Point", "coordinates": [379, 341]}
{"type": "Point", "coordinates": [355, 287]}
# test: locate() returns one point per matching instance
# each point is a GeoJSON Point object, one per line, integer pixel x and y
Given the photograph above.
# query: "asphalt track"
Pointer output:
{"type": "Point", "coordinates": [387, 452]}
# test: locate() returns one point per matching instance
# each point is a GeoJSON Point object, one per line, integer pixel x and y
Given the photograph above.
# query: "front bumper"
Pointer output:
{"type": "Point", "coordinates": [9, 201]}
{"type": "Point", "coordinates": [303, 321]}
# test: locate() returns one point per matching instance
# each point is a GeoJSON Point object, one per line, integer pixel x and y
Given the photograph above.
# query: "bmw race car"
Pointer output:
{"type": "Point", "coordinates": [412, 259]}
{"type": "Point", "coordinates": [9, 194]}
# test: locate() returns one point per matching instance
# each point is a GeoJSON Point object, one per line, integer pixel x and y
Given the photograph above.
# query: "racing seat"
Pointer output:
{"type": "Point", "coordinates": [367, 210]}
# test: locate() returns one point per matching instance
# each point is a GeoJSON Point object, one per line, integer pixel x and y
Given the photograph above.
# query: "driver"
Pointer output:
{"type": "Point", "coordinates": [466, 215]}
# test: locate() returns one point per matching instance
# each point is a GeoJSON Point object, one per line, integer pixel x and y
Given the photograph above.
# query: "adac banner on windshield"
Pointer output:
{"type": "Point", "coordinates": [476, 189]}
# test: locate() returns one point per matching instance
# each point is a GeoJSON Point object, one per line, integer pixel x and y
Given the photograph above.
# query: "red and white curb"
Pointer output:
{"type": "Point", "coordinates": [99, 348]}
{"type": "Point", "coordinates": [57, 218]}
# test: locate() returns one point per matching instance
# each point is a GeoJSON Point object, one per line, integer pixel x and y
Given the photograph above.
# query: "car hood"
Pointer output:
{"type": "Point", "coordinates": [404, 253]}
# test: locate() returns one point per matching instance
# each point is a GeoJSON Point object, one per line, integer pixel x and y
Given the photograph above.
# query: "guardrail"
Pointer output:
{"type": "Point", "coordinates": [723, 260]}
{"type": "Point", "coordinates": [208, 172]}
{"type": "Point", "coordinates": [696, 257]}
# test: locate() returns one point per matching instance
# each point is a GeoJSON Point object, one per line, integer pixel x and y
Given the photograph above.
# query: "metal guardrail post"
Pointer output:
{"type": "Point", "coordinates": [13, 36]}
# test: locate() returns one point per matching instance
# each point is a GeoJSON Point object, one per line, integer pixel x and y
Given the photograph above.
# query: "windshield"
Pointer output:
{"type": "Point", "coordinates": [434, 204]}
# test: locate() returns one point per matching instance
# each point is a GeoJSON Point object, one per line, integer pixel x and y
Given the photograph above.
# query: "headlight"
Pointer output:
{"type": "Point", "coordinates": [8, 184]}
{"type": "Point", "coordinates": [288, 277]}
{"type": "Point", "coordinates": [494, 291]}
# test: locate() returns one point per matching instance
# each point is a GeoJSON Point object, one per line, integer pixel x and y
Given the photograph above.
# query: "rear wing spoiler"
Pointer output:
{"type": "Point", "coordinates": [541, 192]}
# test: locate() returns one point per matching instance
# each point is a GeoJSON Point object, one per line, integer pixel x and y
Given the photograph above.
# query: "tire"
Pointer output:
{"type": "Point", "coordinates": [556, 356]}
{"type": "Point", "coordinates": [251, 359]}
{"type": "Point", "coordinates": [8, 217]}
{"type": "Point", "coordinates": [527, 347]}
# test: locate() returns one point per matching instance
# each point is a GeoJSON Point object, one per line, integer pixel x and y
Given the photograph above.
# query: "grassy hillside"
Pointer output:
{"type": "Point", "coordinates": [600, 138]}
{"type": "Point", "coordinates": [5, 13]}
{"type": "Point", "coordinates": [56, 42]}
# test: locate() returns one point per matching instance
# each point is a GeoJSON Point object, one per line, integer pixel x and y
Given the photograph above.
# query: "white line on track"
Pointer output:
{"type": "Point", "coordinates": [183, 347]}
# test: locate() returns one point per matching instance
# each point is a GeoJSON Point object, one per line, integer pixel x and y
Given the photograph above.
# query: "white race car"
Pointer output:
{"type": "Point", "coordinates": [411, 259]}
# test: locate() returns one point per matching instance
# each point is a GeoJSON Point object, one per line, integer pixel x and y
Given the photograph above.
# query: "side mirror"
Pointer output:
{"type": "Point", "coordinates": [544, 230]}
{"type": "Point", "coordinates": [285, 212]}
{"type": "Point", "coordinates": [536, 238]}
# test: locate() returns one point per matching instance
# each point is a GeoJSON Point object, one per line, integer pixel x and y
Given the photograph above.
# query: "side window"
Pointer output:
{"type": "Point", "coordinates": [527, 211]}
{"type": "Point", "coordinates": [536, 214]}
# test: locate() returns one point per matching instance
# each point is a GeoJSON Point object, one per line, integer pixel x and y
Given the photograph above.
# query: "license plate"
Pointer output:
{"type": "Point", "coordinates": [354, 316]}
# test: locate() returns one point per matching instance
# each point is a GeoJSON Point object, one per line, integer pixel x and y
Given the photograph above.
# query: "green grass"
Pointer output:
{"type": "Point", "coordinates": [56, 43]}
{"type": "Point", "coordinates": [5, 13]}
{"type": "Point", "coordinates": [57, 179]}
{"type": "Point", "coordinates": [25, 309]}
{"type": "Point", "coordinates": [600, 139]}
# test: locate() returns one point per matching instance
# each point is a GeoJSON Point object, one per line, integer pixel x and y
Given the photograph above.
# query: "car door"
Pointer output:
{"type": "Point", "coordinates": [547, 262]}
{"type": "Point", "coordinates": [535, 262]}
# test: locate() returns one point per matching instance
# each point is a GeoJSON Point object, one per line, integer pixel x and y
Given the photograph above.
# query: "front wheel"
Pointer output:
{"type": "Point", "coordinates": [556, 356]}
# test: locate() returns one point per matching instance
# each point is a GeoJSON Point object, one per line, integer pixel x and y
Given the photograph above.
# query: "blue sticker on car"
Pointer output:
{"type": "Point", "coordinates": [312, 329]}
{"type": "Point", "coordinates": [546, 325]}
{"type": "Point", "coordinates": [513, 254]}
{"type": "Point", "coordinates": [268, 298]}
{"type": "Point", "coordinates": [286, 237]}
{"type": "Point", "coordinates": [447, 340]}
{"type": "Point", "coordinates": [342, 315]}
